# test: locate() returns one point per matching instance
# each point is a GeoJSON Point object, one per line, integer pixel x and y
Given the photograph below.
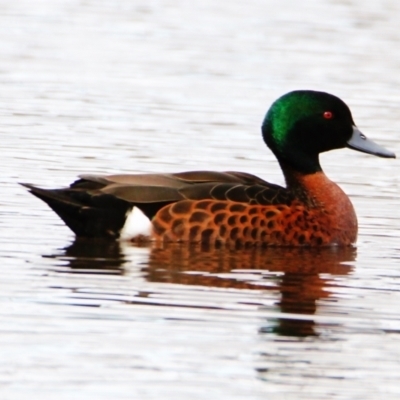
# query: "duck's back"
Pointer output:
{"type": "Point", "coordinates": [101, 206]}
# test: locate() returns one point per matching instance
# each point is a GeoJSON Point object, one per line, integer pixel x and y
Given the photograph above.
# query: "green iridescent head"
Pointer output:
{"type": "Point", "coordinates": [302, 124]}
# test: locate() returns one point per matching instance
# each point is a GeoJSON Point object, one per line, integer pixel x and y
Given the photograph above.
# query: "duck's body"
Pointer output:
{"type": "Point", "coordinates": [231, 207]}
{"type": "Point", "coordinates": [315, 213]}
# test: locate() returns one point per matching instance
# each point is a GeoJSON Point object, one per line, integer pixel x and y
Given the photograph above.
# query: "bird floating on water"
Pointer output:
{"type": "Point", "coordinates": [232, 207]}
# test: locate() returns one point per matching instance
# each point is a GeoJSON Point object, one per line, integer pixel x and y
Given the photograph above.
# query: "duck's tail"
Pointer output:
{"type": "Point", "coordinates": [85, 214]}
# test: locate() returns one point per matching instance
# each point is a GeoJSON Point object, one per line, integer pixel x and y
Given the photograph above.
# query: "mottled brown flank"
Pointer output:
{"type": "Point", "coordinates": [181, 207]}
{"type": "Point", "coordinates": [203, 204]}
{"type": "Point", "coordinates": [237, 207]}
{"type": "Point", "coordinates": [219, 218]}
{"type": "Point", "coordinates": [212, 221]}
{"type": "Point", "coordinates": [199, 217]}
{"type": "Point", "coordinates": [218, 206]}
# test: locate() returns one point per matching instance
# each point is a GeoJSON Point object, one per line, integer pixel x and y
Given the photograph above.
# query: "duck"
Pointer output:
{"type": "Point", "coordinates": [231, 207]}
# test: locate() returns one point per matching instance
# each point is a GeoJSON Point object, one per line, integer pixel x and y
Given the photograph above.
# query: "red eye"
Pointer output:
{"type": "Point", "coordinates": [328, 115]}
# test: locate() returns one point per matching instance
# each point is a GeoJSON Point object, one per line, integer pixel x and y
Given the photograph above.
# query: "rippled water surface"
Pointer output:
{"type": "Point", "coordinates": [128, 86]}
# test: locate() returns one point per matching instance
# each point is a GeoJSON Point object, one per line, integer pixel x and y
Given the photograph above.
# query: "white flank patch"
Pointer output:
{"type": "Point", "coordinates": [136, 224]}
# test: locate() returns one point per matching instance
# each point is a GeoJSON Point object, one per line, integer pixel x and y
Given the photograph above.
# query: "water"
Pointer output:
{"type": "Point", "coordinates": [121, 86]}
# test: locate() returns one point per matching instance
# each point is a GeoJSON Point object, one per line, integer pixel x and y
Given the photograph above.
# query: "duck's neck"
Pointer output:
{"type": "Point", "coordinates": [319, 192]}
{"type": "Point", "coordinates": [315, 186]}
{"type": "Point", "coordinates": [295, 160]}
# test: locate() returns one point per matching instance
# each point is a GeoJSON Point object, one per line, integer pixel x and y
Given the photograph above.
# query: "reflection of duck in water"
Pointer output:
{"type": "Point", "coordinates": [232, 207]}
{"type": "Point", "coordinates": [301, 276]}
{"type": "Point", "coordinates": [176, 263]}
{"type": "Point", "coordinates": [93, 256]}
{"type": "Point", "coordinates": [298, 276]}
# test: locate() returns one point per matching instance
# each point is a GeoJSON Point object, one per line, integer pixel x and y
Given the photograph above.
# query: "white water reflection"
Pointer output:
{"type": "Point", "coordinates": [122, 86]}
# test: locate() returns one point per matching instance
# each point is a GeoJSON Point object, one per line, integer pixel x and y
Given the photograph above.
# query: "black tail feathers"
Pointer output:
{"type": "Point", "coordinates": [86, 214]}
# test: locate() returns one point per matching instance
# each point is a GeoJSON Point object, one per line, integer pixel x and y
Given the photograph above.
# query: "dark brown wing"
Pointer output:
{"type": "Point", "coordinates": [250, 194]}
{"type": "Point", "coordinates": [193, 185]}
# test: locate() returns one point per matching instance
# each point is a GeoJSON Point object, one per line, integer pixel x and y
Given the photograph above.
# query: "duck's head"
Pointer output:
{"type": "Point", "coordinates": [302, 124]}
